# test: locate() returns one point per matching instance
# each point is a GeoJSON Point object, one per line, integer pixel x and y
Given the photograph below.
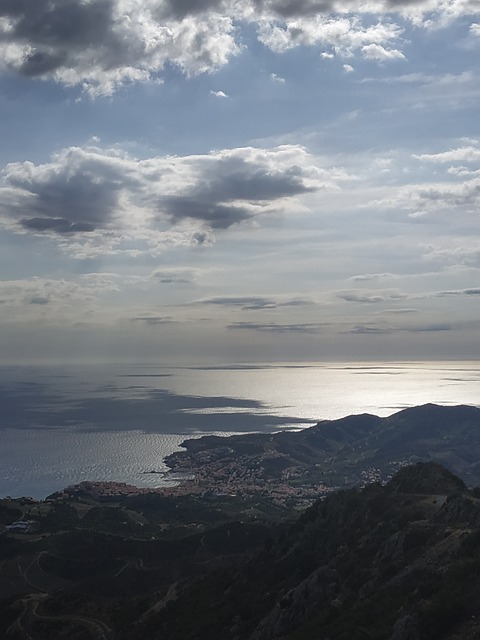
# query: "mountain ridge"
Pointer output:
{"type": "Point", "coordinates": [338, 453]}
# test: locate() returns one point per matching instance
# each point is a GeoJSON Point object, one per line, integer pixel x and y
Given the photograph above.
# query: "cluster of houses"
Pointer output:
{"type": "Point", "coordinates": [20, 526]}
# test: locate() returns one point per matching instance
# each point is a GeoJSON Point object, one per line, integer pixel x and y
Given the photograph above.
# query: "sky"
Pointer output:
{"type": "Point", "coordinates": [239, 180]}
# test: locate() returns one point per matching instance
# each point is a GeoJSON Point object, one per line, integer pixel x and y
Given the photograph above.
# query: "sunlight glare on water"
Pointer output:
{"type": "Point", "coordinates": [330, 391]}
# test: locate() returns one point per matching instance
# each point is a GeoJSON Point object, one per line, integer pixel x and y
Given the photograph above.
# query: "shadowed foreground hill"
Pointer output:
{"type": "Point", "coordinates": [393, 562]}
{"type": "Point", "coordinates": [385, 563]}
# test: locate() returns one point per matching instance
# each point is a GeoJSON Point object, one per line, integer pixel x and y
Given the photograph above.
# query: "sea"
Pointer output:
{"type": "Point", "coordinates": [60, 425]}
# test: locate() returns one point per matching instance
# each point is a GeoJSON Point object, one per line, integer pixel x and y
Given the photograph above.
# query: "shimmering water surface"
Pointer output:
{"type": "Point", "coordinates": [59, 426]}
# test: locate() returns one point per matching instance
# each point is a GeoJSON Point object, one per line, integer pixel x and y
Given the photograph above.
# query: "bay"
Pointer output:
{"type": "Point", "coordinates": [61, 425]}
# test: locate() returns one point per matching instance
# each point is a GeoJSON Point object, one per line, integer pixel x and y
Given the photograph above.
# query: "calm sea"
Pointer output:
{"type": "Point", "coordinates": [59, 426]}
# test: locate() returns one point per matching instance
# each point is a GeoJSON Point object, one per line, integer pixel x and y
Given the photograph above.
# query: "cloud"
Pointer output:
{"type": "Point", "coordinates": [78, 191]}
{"type": "Point", "coordinates": [463, 256]}
{"type": "Point", "coordinates": [430, 328]}
{"type": "Point", "coordinates": [273, 327]}
{"type": "Point", "coordinates": [344, 35]}
{"type": "Point", "coordinates": [245, 302]}
{"type": "Point", "coordinates": [461, 154]}
{"type": "Point", "coordinates": [379, 53]}
{"type": "Point", "coordinates": [229, 187]}
{"type": "Point", "coordinates": [219, 94]}
{"type": "Point", "coordinates": [100, 45]}
{"type": "Point", "coordinates": [250, 303]}
{"type": "Point", "coordinates": [276, 78]}
{"type": "Point", "coordinates": [460, 292]}
{"type": "Point", "coordinates": [64, 299]}
{"type": "Point", "coordinates": [154, 321]}
{"type": "Point", "coordinates": [374, 330]}
{"type": "Point", "coordinates": [373, 297]}
{"type": "Point", "coordinates": [367, 330]}
{"type": "Point", "coordinates": [115, 199]}
{"type": "Point", "coordinates": [451, 196]}
{"type": "Point", "coordinates": [438, 197]}
{"type": "Point", "coordinates": [176, 275]}
{"type": "Point", "coordinates": [372, 276]}
{"type": "Point", "coordinates": [216, 215]}
{"type": "Point", "coordinates": [415, 10]}
{"type": "Point", "coordinates": [39, 300]}
{"type": "Point", "coordinates": [382, 297]}
{"type": "Point", "coordinates": [401, 311]}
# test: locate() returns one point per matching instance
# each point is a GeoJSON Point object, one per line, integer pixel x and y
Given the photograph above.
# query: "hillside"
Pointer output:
{"type": "Point", "coordinates": [235, 554]}
{"type": "Point", "coordinates": [334, 454]}
{"type": "Point", "coordinates": [393, 562]}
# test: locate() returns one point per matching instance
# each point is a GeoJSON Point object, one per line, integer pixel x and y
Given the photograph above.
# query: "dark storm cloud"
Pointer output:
{"type": "Point", "coordinates": [41, 62]}
{"type": "Point", "coordinates": [179, 9]}
{"type": "Point", "coordinates": [290, 8]}
{"type": "Point", "coordinates": [242, 179]}
{"type": "Point", "coordinates": [217, 216]}
{"type": "Point", "coordinates": [77, 192]}
{"type": "Point", "coordinates": [59, 21]}
{"type": "Point", "coordinates": [298, 8]}
{"type": "Point", "coordinates": [233, 180]}
{"type": "Point", "coordinates": [56, 28]}
{"type": "Point", "coordinates": [102, 44]}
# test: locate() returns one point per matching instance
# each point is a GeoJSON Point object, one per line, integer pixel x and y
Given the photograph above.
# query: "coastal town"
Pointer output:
{"type": "Point", "coordinates": [221, 472]}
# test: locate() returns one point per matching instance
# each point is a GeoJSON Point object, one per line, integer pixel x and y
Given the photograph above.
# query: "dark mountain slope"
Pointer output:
{"type": "Point", "coordinates": [378, 564]}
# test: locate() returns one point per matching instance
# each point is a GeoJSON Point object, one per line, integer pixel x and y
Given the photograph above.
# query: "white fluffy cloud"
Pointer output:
{"type": "Point", "coordinates": [102, 44]}
{"type": "Point", "coordinates": [379, 53]}
{"type": "Point", "coordinates": [461, 154]}
{"type": "Point", "coordinates": [345, 35]}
